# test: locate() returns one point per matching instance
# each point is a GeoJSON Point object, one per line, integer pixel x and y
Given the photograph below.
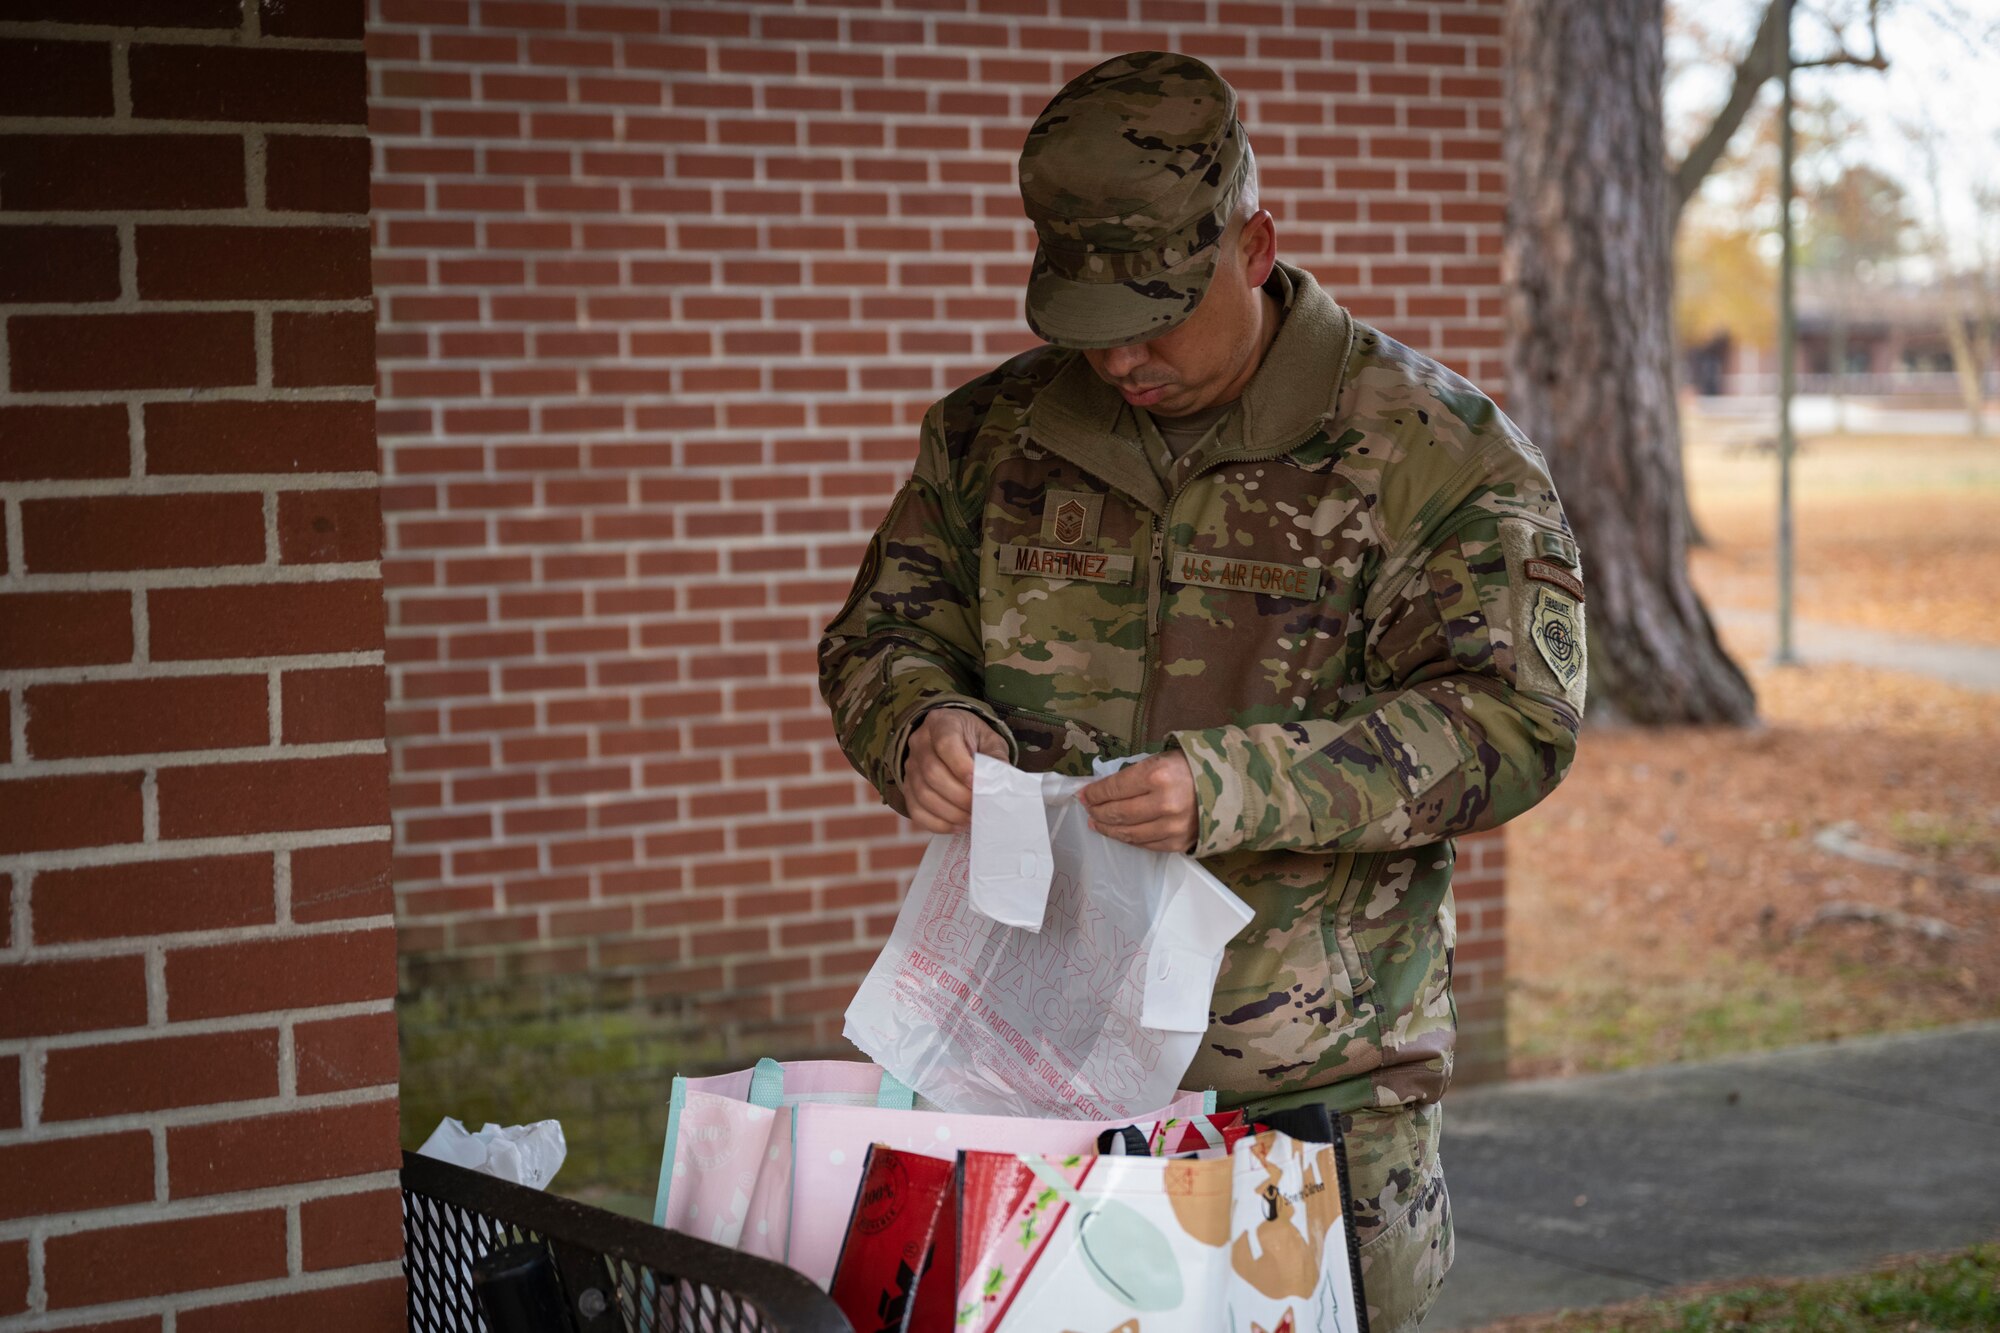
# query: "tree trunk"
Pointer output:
{"type": "Point", "coordinates": [1843, 285]}
{"type": "Point", "coordinates": [1969, 358]}
{"type": "Point", "coordinates": [1589, 278]}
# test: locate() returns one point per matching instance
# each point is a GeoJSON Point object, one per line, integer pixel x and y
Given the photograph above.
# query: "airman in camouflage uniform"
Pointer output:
{"type": "Point", "coordinates": [1351, 612]}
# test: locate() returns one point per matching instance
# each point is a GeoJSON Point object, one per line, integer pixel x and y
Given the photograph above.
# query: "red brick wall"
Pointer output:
{"type": "Point", "coordinates": [664, 291]}
{"type": "Point", "coordinates": [197, 1058]}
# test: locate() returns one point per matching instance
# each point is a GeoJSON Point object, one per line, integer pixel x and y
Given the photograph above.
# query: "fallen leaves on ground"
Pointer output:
{"type": "Point", "coordinates": [1662, 902]}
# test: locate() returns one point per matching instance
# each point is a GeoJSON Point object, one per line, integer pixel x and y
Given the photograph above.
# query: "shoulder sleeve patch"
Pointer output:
{"type": "Point", "coordinates": [1558, 635]}
{"type": "Point", "coordinates": [1547, 572]}
{"type": "Point", "coordinates": [1547, 611]}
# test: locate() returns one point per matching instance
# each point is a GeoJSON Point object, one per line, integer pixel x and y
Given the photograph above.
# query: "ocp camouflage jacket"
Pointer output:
{"type": "Point", "coordinates": [1357, 610]}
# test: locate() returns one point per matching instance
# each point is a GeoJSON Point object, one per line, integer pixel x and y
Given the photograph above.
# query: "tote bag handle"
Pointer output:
{"type": "Point", "coordinates": [767, 1088]}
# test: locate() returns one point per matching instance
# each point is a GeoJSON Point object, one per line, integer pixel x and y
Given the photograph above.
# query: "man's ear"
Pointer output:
{"type": "Point", "coordinates": [1257, 247]}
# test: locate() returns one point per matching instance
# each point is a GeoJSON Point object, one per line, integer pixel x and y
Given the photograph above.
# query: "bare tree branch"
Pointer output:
{"type": "Point", "coordinates": [1760, 64]}
{"type": "Point", "coordinates": [1874, 60]}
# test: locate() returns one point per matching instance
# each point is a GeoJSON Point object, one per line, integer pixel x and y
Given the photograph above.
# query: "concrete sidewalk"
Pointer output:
{"type": "Point", "coordinates": [1818, 1159]}
{"type": "Point", "coordinates": [1972, 666]}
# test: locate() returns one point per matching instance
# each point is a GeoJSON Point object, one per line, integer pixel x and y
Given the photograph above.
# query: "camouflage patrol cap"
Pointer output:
{"type": "Point", "coordinates": [1129, 175]}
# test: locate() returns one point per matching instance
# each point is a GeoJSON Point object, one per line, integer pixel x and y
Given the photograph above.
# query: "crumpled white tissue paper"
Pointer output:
{"type": "Point", "coordinates": [525, 1154]}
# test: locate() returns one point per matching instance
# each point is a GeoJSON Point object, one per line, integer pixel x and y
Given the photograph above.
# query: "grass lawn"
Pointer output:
{"type": "Point", "coordinates": [1916, 1295]}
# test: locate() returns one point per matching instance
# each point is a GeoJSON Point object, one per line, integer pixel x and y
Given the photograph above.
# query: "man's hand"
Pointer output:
{"type": "Point", "coordinates": [1149, 804]}
{"type": "Point", "coordinates": [937, 769]}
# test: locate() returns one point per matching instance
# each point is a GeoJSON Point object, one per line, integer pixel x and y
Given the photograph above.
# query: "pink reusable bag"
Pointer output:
{"type": "Point", "coordinates": [716, 1150]}
{"type": "Point", "coordinates": [725, 1173]}
{"type": "Point", "coordinates": [809, 1154]}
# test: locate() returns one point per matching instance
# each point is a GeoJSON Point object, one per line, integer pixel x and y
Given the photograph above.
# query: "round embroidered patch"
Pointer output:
{"type": "Point", "coordinates": [1557, 635]}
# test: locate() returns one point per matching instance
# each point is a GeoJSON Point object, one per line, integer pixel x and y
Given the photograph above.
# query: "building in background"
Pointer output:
{"type": "Point", "coordinates": [1853, 339]}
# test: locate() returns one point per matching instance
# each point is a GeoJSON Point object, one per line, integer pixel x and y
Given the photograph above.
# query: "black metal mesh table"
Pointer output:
{"type": "Point", "coordinates": [617, 1273]}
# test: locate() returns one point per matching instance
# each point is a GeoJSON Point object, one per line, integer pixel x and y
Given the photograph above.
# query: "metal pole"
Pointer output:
{"type": "Point", "coordinates": [1784, 655]}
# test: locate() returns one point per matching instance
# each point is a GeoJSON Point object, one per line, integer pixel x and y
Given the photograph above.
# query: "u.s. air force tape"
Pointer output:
{"type": "Point", "coordinates": [1221, 571]}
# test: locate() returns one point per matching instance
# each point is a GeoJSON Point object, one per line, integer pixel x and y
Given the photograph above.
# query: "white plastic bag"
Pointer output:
{"type": "Point", "coordinates": [525, 1154]}
{"type": "Point", "coordinates": [1038, 968]}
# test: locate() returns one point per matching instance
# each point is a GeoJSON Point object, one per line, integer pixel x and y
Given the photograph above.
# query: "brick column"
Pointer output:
{"type": "Point", "coordinates": [197, 962]}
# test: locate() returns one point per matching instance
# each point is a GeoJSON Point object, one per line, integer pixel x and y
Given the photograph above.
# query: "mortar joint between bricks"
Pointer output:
{"type": "Point", "coordinates": [34, 1075]}
{"type": "Point", "coordinates": [272, 558]}
{"type": "Point", "coordinates": [38, 1286]}
{"type": "Point", "coordinates": [274, 705]}
{"type": "Point", "coordinates": [170, 484]}
{"type": "Point", "coordinates": [105, 1316]}
{"type": "Point", "coordinates": [260, 338]}
{"type": "Point", "coordinates": [24, 677]}
{"type": "Point", "coordinates": [187, 306]}
{"type": "Point", "coordinates": [220, 576]}
{"type": "Point", "coordinates": [266, 933]}
{"type": "Point", "coordinates": [121, 78]}
{"type": "Point", "coordinates": [288, 1045]}
{"type": "Point", "coordinates": [149, 797]}
{"type": "Point", "coordinates": [156, 985]}
{"type": "Point", "coordinates": [192, 1027]}
{"type": "Point", "coordinates": [23, 917]}
{"type": "Point", "coordinates": [10, 512]}
{"type": "Point", "coordinates": [128, 267]}
{"type": "Point", "coordinates": [118, 33]}
{"type": "Point", "coordinates": [196, 1117]}
{"type": "Point", "coordinates": [135, 430]}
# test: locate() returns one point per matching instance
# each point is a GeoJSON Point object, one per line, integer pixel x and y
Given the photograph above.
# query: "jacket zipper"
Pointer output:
{"type": "Point", "coordinates": [1156, 589]}
{"type": "Point", "coordinates": [1155, 595]}
{"type": "Point", "coordinates": [1342, 913]}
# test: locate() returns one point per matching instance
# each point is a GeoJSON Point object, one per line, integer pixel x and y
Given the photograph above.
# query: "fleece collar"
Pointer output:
{"type": "Point", "coordinates": [1080, 417]}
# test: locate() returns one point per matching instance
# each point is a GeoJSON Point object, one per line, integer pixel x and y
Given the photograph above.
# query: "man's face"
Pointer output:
{"type": "Point", "coordinates": [1208, 357]}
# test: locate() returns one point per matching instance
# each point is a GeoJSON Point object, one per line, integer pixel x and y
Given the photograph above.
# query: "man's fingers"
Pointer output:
{"type": "Point", "coordinates": [1161, 796]}
{"type": "Point", "coordinates": [1146, 806]}
{"type": "Point", "coordinates": [934, 778]}
{"type": "Point", "coordinates": [955, 750]}
{"type": "Point", "coordinates": [933, 813]}
{"type": "Point", "coordinates": [937, 777]}
{"type": "Point", "coordinates": [1123, 785]}
{"type": "Point", "coordinates": [933, 773]}
{"type": "Point", "coordinates": [1162, 835]}
{"type": "Point", "coordinates": [1142, 808]}
{"type": "Point", "coordinates": [1133, 830]}
{"type": "Point", "coordinates": [1134, 780]}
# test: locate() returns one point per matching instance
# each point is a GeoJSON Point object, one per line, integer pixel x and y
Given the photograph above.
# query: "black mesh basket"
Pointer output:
{"type": "Point", "coordinates": [617, 1274]}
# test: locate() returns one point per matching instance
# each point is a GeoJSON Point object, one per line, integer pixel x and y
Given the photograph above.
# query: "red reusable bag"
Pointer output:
{"type": "Point", "coordinates": [889, 1239]}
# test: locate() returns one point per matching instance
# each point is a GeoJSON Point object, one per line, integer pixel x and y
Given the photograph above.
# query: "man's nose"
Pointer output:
{"type": "Point", "coordinates": [1119, 362]}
